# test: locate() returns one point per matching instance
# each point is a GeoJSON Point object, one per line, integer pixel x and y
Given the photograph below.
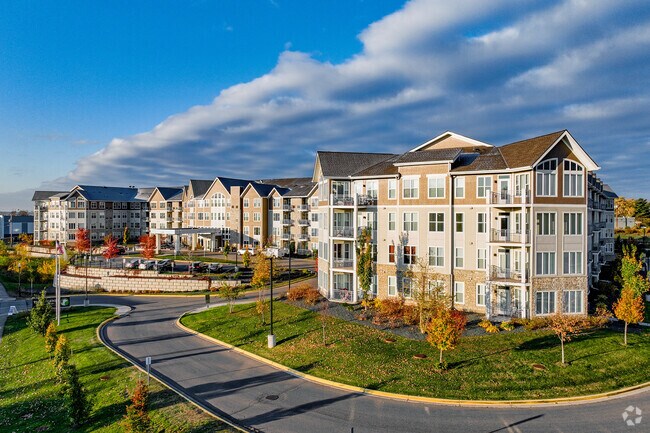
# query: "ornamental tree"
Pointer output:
{"type": "Point", "coordinates": [630, 271]}
{"type": "Point", "coordinates": [246, 258]}
{"type": "Point", "coordinates": [111, 251]}
{"type": "Point", "coordinates": [51, 337]}
{"type": "Point", "coordinates": [82, 241]}
{"type": "Point", "coordinates": [137, 419]}
{"type": "Point", "coordinates": [444, 330]}
{"type": "Point", "coordinates": [428, 291]}
{"type": "Point", "coordinates": [148, 244]}
{"type": "Point", "coordinates": [364, 261]}
{"type": "Point", "coordinates": [629, 308]}
{"type": "Point", "coordinates": [565, 326]}
{"type": "Point", "coordinates": [41, 315]}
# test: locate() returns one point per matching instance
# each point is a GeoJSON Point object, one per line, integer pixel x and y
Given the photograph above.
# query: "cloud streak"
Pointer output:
{"type": "Point", "coordinates": [497, 71]}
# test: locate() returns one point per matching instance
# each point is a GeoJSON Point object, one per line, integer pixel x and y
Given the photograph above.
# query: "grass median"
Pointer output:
{"type": "Point", "coordinates": [491, 367]}
{"type": "Point", "coordinates": [29, 396]}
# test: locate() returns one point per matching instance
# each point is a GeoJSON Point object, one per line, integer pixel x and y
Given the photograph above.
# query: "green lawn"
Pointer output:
{"type": "Point", "coordinates": [30, 399]}
{"type": "Point", "coordinates": [486, 367]}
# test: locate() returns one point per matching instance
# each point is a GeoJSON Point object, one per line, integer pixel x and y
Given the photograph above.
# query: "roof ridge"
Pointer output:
{"type": "Point", "coordinates": [533, 138]}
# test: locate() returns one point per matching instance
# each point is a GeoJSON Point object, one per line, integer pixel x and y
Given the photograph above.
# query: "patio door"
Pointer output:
{"type": "Point", "coordinates": [504, 263]}
{"type": "Point", "coordinates": [504, 226]}
{"type": "Point", "coordinates": [504, 187]}
{"type": "Point", "coordinates": [503, 301]}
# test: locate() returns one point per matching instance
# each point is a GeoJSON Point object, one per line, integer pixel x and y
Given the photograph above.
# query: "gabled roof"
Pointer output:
{"type": "Point", "coordinates": [459, 141]}
{"type": "Point", "coordinates": [262, 189]}
{"type": "Point", "coordinates": [428, 156]}
{"type": "Point", "coordinates": [290, 182]}
{"type": "Point", "coordinates": [229, 182]}
{"type": "Point", "coordinates": [525, 153]}
{"type": "Point", "coordinates": [344, 164]}
{"type": "Point", "coordinates": [107, 193]}
{"type": "Point", "coordinates": [199, 187]}
{"type": "Point", "coordinates": [609, 192]}
{"type": "Point", "coordinates": [45, 195]}
{"type": "Point", "coordinates": [490, 160]}
{"type": "Point", "coordinates": [298, 190]}
{"type": "Point", "coordinates": [173, 193]}
{"type": "Point", "coordinates": [383, 168]}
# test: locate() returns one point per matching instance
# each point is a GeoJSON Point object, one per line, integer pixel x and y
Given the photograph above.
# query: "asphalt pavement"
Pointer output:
{"type": "Point", "coordinates": [261, 397]}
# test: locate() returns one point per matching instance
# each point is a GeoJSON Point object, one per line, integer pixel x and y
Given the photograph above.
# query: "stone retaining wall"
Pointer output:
{"type": "Point", "coordinates": [112, 280]}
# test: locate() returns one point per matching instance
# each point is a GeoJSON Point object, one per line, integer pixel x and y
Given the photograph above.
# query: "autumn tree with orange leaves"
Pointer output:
{"type": "Point", "coordinates": [148, 244]}
{"type": "Point", "coordinates": [111, 250]}
{"type": "Point", "coordinates": [566, 326]}
{"type": "Point", "coordinates": [444, 330]}
{"type": "Point", "coordinates": [629, 308]}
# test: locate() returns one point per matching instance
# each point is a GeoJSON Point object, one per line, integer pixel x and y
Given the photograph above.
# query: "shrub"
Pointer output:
{"type": "Point", "coordinates": [298, 292]}
{"type": "Point", "coordinates": [137, 419]}
{"type": "Point", "coordinates": [312, 296]}
{"type": "Point", "coordinates": [78, 406]}
{"type": "Point", "coordinates": [51, 338]}
{"type": "Point", "coordinates": [507, 326]}
{"type": "Point", "coordinates": [389, 310]}
{"type": "Point", "coordinates": [484, 323]}
{"type": "Point", "coordinates": [41, 315]}
{"type": "Point", "coordinates": [410, 315]}
{"type": "Point", "coordinates": [491, 329]}
{"type": "Point", "coordinates": [536, 323]}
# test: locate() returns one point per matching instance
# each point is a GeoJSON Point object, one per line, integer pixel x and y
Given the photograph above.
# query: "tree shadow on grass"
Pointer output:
{"type": "Point", "coordinates": [470, 361]}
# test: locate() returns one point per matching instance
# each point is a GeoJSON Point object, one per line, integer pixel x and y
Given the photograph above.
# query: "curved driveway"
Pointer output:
{"type": "Point", "coordinates": [263, 398]}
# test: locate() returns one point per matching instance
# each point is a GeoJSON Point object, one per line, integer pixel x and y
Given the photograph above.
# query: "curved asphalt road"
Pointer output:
{"type": "Point", "coordinates": [245, 390]}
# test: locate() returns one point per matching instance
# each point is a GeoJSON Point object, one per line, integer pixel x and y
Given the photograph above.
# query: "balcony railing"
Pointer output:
{"type": "Point", "coordinates": [343, 232]}
{"type": "Point", "coordinates": [366, 200]}
{"type": "Point", "coordinates": [509, 236]}
{"type": "Point", "coordinates": [303, 222]}
{"type": "Point", "coordinates": [286, 236]}
{"type": "Point", "coordinates": [342, 295]}
{"type": "Point", "coordinates": [507, 274]}
{"type": "Point", "coordinates": [286, 222]}
{"type": "Point", "coordinates": [286, 207]}
{"type": "Point", "coordinates": [510, 198]}
{"type": "Point", "coordinates": [303, 237]}
{"type": "Point", "coordinates": [341, 263]}
{"type": "Point", "coordinates": [342, 200]}
{"type": "Point", "coordinates": [303, 207]}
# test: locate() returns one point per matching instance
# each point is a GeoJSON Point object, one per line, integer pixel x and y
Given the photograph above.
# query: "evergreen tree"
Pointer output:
{"type": "Point", "coordinates": [137, 419]}
{"type": "Point", "coordinates": [51, 338]}
{"type": "Point", "coordinates": [77, 403]}
{"type": "Point", "coordinates": [41, 315]}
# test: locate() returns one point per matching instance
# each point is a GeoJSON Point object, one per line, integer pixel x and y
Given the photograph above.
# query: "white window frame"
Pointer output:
{"type": "Point", "coordinates": [436, 187]}
{"type": "Point", "coordinates": [392, 189]}
{"type": "Point", "coordinates": [543, 303]}
{"type": "Point", "coordinates": [573, 223]}
{"type": "Point", "coordinates": [481, 216]}
{"type": "Point", "coordinates": [459, 288]}
{"type": "Point", "coordinates": [412, 185]}
{"type": "Point", "coordinates": [437, 222]}
{"type": "Point", "coordinates": [572, 262]}
{"type": "Point", "coordinates": [392, 221]}
{"type": "Point", "coordinates": [437, 256]}
{"type": "Point", "coordinates": [483, 186]}
{"type": "Point", "coordinates": [411, 221]}
{"type": "Point", "coordinates": [481, 291]}
{"type": "Point", "coordinates": [546, 178]}
{"type": "Point", "coordinates": [572, 301]}
{"type": "Point", "coordinates": [481, 252]}
{"type": "Point", "coordinates": [552, 223]}
{"type": "Point", "coordinates": [459, 254]}
{"type": "Point", "coordinates": [459, 187]}
{"type": "Point", "coordinates": [575, 174]}
{"type": "Point", "coordinates": [461, 222]}
{"type": "Point", "coordinates": [392, 286]}
{"type": "Point", "coordinates": [547, 264]}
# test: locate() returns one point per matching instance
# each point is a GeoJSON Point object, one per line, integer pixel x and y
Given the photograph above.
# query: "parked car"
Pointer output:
{"type": "Point", "coordinates": [197, 266]}
{"type": "Point", "coordinates": [147, 264]}
{"type": "Point", "coordinates": [215, 267]}
{"type": "Point", "coordinates": [276, 252]}
{"type": "Point", "coordinates": [133, 264]}
{"type": "Point", "coordinates": [164, 265]}
{"type": "Point", "coordinates": [242, 251]}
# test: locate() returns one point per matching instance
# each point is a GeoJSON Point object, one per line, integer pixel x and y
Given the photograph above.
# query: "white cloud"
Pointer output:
{"type": "Point", "coordinates": [497, 71]}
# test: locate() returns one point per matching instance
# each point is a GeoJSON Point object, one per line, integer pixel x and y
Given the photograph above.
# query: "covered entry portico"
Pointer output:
{"type": "Point", "coordinates": [193, 233]}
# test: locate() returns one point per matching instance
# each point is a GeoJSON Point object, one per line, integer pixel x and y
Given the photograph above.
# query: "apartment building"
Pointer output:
{"type": "Point", "coordinates": [294, 214]}
{"type": "Point", "coordinates": [601, 220]}
{"type": "Point", "coordinates": [99, 209]}
{"type": "Point", "coordinates": [505, 229]}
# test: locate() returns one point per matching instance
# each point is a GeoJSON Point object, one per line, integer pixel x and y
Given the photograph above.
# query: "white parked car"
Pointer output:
{"type": "Point", "coordinates": [251, 251]}
{"type": "Point", "coordinates": [147, 264]}
{"type": "Point", "coordinates": [133, 264]}
{"type": "Point", "coordinates": [276, 252]}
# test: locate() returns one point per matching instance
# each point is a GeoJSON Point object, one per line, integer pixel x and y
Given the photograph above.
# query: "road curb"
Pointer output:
{"type": "Point", "coordinates": [419, 399]}
{"type": "Point", "coordinates": [162, 382]}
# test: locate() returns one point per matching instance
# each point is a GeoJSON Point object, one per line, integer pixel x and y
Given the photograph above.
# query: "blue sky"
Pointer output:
{"type": "Point", "coordinates": [94, 92]}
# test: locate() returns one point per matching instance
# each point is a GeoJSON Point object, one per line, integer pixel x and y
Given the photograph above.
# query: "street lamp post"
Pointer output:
{"type": "Point", "coordinates": [86, 290]}
{"type": "Point", "coordinates": [19, 275]}
{"type": "Point", "coordinates": [271, 336]}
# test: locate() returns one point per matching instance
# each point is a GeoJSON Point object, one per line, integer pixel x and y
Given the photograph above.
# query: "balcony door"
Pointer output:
{"type": "Point", "coordinates": [503, 301]}
{"type": "Point", "coordinates": [504, 263]}
{"type": "Point", "coordinates": [504, 187]}
{"type": "Point", "coordinates": [504, 226]}
{"type": "Point", "coordinates": [343, 251]}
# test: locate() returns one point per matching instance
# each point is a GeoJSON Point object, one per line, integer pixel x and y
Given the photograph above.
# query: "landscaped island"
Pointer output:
{"type": "Point", "coordinates": [505, 366]}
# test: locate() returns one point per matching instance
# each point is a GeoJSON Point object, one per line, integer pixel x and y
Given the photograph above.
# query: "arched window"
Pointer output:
{"type": "Point", "coordinates": [573, 179]}
{"type": "Point", "coordinates": [218, 200]}
{"type": "Point", "coordinates": [547, 178]}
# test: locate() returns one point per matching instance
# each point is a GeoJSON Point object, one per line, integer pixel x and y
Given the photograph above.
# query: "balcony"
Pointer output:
{"type": "Point", "coordinates": [303, 237]}
{"type": "Point", "coordinates": [509, 236]}
{"type": "Point", "coordinates": [286, 222]}
{"type": "Point", "coordinates": [342, 200]}
{"type": "Point", "coordinates": [303, 207]}
{"type": "Point", "coordinates": [507, 274]}
{"type": "Point", "coordinates": [508, 198]}
{"type": "Point", "coordinates": [286, 207]}
{"type": "Point", "coordinates": [286, 236]}
{"type": "Point", "coordinates": [303, 222]}
{"type": "Point", "coordinates": [342, 263]}
{"type": "Point", "coordinates": [342, 232]}
{"type": "Point", "coordinates": [342, 295]}
{"type": "Point", "coordinates": [366, 200]}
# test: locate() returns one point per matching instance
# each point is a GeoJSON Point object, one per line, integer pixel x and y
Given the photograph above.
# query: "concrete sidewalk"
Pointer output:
{"type": "Point", "coordinates": [5, 307]}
